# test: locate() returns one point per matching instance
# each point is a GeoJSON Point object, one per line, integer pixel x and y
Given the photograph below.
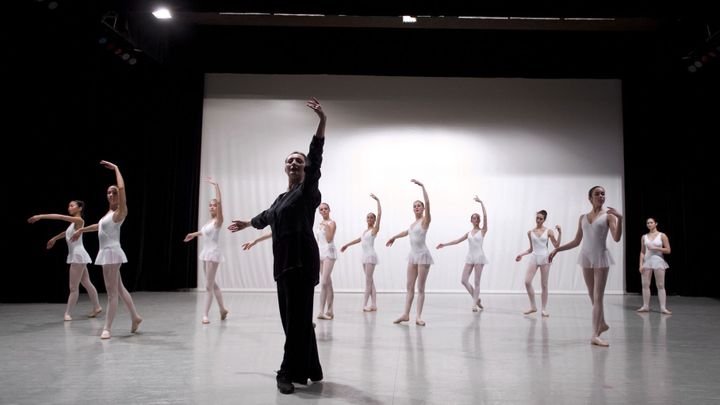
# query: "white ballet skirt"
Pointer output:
{"type": "Point", "coordinates": [419, 252]}
{"type": "Point", "coordinates": [540, 251]}
{"type": "Point", "coordinates": [654, 259]}
{"type": "Point", "coordinates": [211, 251]}
{"type": "Point", "coordinates": [76, 251]}
{"type": "Point", "coordinates": [110, 251]}
{"type": "Point", "coordinates": [594, 253]}
{"type": "Point", "coordinates": [327, 249]}
{"type": "Point", "coordinates": [368, 247]}
{"type": "Point", "coordinates": [475, 255]}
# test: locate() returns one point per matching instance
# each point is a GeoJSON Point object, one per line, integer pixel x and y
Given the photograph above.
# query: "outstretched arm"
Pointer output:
{"type": "Point", "coordinates": [484, 219]}
{"type": "Point", "coordinates": [392, 240]}
{"type": "Point", "coordinates": [570, 245]}
{"type": "Point", "coordinates": [248, 245]}
{"type": "Point", "coordinates": [78, 221]}
{"type": "Point", "coordinates": [89, 228]}
{"type": "Point", "coordinates": [191, 236]}
{"type": "Point", "coordinates": [527, 252]}
{"type": "Point", "coordinates": [376, 229]}
{"type": "Point", "coordinates": [121, 212]}
{"type": "Point", "coordinates": [352, 242]}
{"type": "Point", "coordinates": [452, 242]}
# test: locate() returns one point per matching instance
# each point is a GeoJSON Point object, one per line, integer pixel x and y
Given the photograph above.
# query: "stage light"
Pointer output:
{"type": "Point", "coordinates": [162, 13]}
{"type": "Point", "coordinates": [407, 19]}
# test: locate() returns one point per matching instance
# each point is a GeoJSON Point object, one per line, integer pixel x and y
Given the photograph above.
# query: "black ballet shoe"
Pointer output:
{"type": "Point", "coordinates": [285, 387]}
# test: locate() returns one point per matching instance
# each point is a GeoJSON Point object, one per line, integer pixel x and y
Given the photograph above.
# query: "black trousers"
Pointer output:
{"type": "Point", "coordinates": [295, 299]}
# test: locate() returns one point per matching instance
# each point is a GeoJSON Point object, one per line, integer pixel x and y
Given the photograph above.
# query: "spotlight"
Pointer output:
{"type": "Point", "coordinates": [162, 13]}
{"type": "Point", "coordinates": [408, 19]}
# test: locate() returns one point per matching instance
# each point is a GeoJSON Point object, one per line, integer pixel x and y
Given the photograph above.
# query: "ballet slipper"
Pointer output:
{"type": "Point", "coordinates": [599, 342]}
{"type": "Point", "coordinates": [367, 309]}
{"type": "Point", "coordinates": [643, 309]}
{"type": "Point", "coordinates": [223, 314]}
{"type": "Point", "coordinates": [479, 304]}
{"type": "Point", "coordinates": [373, 309]}
{"type": "Point", "coordinates": [329, 315]}
{"type": "Point", "coordinates": [403, 318]}
{"type": "Point", "coordinates": [67, 318]}
{"type": "Point", "coordinates": [475, 308]}
{"type": "Point", "coordinates": [530, 311]}
{"type": "Point", "coordinates": [419, 322]}
{"type": "Point", "coordinates": [545, 314]}
{"type": "Point", "coordinates": [105, 334]}
{"type": "Point", "coordinates": [205, 320]}
{"type": "Point", "coordinates": [94, 313]}
{"type": "Point", "coordinates": [135, 325]}
{"type": "Point", "coordinates": [665, 311]}
{"type": "Point", "coordinates": [323, 316]}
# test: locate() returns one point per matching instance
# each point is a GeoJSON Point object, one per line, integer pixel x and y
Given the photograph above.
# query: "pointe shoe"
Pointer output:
{"type": "Point", "coordinates": [402, 318]}
{"type": "Point", "coordinates": [643, 309]}
{"type": "Point", "coordinates": [419, 322]}
{"type": "Point", "coordinates": [223, 314]}
{"type": "Point", "coordinates": [205, 320]}
{"type": "Point", "coordinates": [599, 342]}
{"type": "Point", "coordinates": [67, 318]}
{"type": "Point", "coordinates": [665, 311]}
{"type": "Point", "coordinates": [135, 325]}
{"type": "Point", "coordinates": [545, 314]}
{"type": "Point", "coordinates": [105, 334]}
{"type": "Point", "coordinates": [530, 311]}
{"type": "Point", "coordinates": [94, 313]}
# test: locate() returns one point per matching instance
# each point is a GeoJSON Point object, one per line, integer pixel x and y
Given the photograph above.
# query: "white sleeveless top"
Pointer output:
{"type": "Point", "coordinates": [211, 251]}
{"type": "Point", "coordinates": [76, 250]}
{"type": "Point", "coordinates": [654, 259]}
{"type": "Point", "coordinates": [419, 252]}
{"type": "Point", "coordinates": [594, 253]}
{"type": "Point", "coordinates": [368, 246]}
{"type": "Point", "coordinates": [110, 251]}
{"type": "Point", "coordinates": [327, 249]}
{"type": "Point", "coordinates": [475, 255]}
{"type": "Point", "coordinates": [540, 251]}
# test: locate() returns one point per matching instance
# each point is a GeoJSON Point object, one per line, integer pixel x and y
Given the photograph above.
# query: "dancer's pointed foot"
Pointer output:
{"type": "Point", "coordinates": [403, 318]}
{"type": "Point", "coordinates": [599, 342]}
{"type": "Point", "coordinates": [419, 322]}
{"type": "Point", "coordinates": [105, 334]}
{"type": "Point", "coordinates": [67, 317]}
{"type": "Point", "coordinates": [530, 311]}
{"type": "Point", "coordinates": [603, 328]}
{"type": "Point", "coordinates": [135, 324]}
{"type": "Point", "coordinates": [95, 312]}
{"type": "Point", "coordinates": [475, 308]}
{"type": "Point", "coordinates": [205, 320]}
{"type": "Point", "coordinates": [223, 314]}
{"type": "Point", "coordinates": [546, 314]}
{"type": "Point", "coordinates": [643, 309]}
{"type": "Point", "coordinates": [479, 304]}
{"type": "Point", "coordinates": [665, 311]}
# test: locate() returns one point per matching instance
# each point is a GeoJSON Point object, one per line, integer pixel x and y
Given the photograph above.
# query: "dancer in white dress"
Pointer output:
{"type": "Point", "coordinates": [475, 259]}
{"type": "Point", "coordinates": [369, 256]}
{"type": "Point", "coordinates": [539, 253]}
{"type": "Point", "coordinates": [328, 255]}
{"type": "Point", "coordinates": [595, 258]}
{"type": "Point", "coordinates": [77, 257]}
{"type": "Point", "coordinates": [419, 259]}
{"type": "Point", "coordinates": [211, 255]}
{"type": "Point", "coordinates": [110, 255]}
{"type": "Point", "coordinates": [652, 247]}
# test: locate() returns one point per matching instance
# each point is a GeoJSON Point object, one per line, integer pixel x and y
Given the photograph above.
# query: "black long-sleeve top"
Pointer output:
{"type": "Point", "coordinates": [291, 219]}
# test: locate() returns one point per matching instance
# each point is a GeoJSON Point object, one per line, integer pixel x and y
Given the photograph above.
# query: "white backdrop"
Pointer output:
{"type": "Point", "coordinates": [520, 145]}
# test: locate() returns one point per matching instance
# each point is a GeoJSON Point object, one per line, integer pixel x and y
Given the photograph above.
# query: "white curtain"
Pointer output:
{"type": "Point", "coordinates": [520, 145]}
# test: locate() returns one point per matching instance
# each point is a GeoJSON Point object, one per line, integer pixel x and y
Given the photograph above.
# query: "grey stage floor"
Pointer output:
{"type": "Point", "coordinates": [497, 356]}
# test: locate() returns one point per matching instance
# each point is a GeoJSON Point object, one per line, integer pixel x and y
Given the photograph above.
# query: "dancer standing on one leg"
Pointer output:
{"type": "Point", "coordinates": [211, 255]}
{"type": "Point", "coordinates": [77, 257]}
{"type": "Point", "coordinates": [538, 238]}
{"type": "Point", "coordinates": [594, 257]}
{"type": "Point", "coordinates": [652, 246]}
{"type": "Point", "coordinates": [369, 257]}
{"type": "Point", "coordinates": [328, 255]}
{"type": "Point", "coordinates": [419, 259]}
{"type": "Point", "coordinates": [296, 265]}
{"type": "Point", "coordinates": [110, 255]}
{"type": "Point", "coordinates": [475, 259]}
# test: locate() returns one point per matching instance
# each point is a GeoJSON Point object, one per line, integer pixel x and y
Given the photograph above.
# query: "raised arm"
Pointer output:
{"type": "Point", "coordinates": [400, 235]}
{"type": "Point", "coordinates": [352, 242]}
{"type": "Point", "coordinates": [376, 228]}
{"type": "Point", "coordinates": [219, 213]}
{"type": "Point", "coordinates": [570, 245]}
{"type": "Point", "coordinates": [484, 219]}
{"type": "Point", "coordinates": [78, 221]}
{"type": "Point", "coordinates": [526, 252]}
{"type": "Point", "coordinates": [121, 212]}
{"type": "Point", "coordinates": [54, 239]}
{"type": "Point", "coordinates": [314, 156]}
{"type": "Point", "coordinates": [426, 218]}
{"type": "Point", "coordinates": [314, 104]}
{"type": "Point", "coordinates": [248, 245]}
{"type": "Point", "coordinates": [615, 223]}
{"type": "Point", "coordinates": [452, 242]}
{"type": "Point", "coordinates": [89, 228]}
{"type": "Point", "coordinates": [551, 235]}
